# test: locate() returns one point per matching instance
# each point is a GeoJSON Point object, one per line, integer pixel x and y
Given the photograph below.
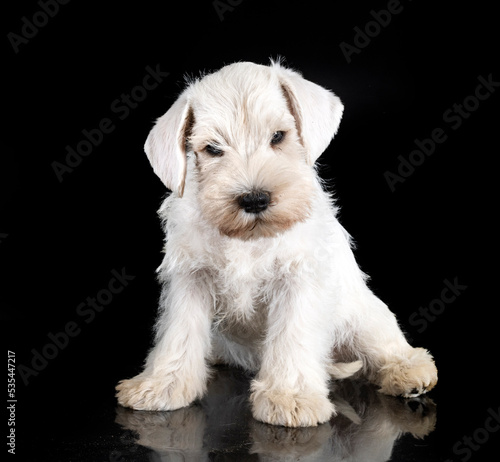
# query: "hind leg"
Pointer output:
{"type": "Point", "coordinates": [391, 363]}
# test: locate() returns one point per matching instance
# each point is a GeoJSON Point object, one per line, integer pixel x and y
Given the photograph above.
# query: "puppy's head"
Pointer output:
{"type": "Point", "coordinates": [255, 132]}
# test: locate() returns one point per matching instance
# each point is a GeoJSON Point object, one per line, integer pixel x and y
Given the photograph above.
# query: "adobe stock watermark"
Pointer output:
{"type": "Point", "coordinates": [453, 117]}
{"type": "Point", "coordinates": [225, 6]}
{"type": "Point", "coordinates": [120, 108]}
{"type": "Point", "coordinates": [469, 444]}
{"type": "Point", "coordinates": [87, 311]}
{"type": "Point", "coordinates": [428, 314]}
{"type": "Point", "coordinates": [363, 36]}
{"type": "Point", "coordinates": [30, 26]}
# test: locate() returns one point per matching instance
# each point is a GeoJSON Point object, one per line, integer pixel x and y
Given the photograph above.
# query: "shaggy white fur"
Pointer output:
{"type": "Point", "coordinates": [258, 272]}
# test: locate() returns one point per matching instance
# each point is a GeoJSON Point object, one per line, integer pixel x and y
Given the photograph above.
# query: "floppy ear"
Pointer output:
{"type": "Point", "coordinates": [317, 111]}
{"type": "Point", "coordinates": [166, 145]}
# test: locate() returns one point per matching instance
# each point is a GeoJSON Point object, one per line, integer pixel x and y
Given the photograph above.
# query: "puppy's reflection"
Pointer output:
{"type": "Point", "coordinates": [365, 429]}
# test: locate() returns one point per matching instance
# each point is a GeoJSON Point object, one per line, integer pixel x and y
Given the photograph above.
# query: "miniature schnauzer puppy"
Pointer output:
{"type": "Point", "coordinates": [258, 272]}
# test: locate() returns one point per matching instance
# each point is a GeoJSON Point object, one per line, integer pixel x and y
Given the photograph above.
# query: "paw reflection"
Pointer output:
{"type": "Point", "coordinates": [366, 426]}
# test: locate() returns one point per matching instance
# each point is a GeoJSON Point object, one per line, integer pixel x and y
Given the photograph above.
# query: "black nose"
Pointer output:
{"type": "Point", "coordinates": [254, 202]}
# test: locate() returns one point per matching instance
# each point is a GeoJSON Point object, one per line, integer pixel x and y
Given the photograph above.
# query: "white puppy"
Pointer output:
{"type": "Point", "coordinates": [258, 272]}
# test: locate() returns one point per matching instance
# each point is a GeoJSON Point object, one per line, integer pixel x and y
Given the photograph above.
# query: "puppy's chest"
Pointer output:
{"type": "Point", "coordinates": [240, 297]}
{"type": "Point", "coordinates": [242, 279]}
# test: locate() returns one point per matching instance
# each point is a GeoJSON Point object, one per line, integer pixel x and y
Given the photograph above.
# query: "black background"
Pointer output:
{"type": "Point", "coordinates": [61, 240]}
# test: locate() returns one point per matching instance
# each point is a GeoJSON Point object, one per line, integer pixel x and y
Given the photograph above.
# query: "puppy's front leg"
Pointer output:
{"type": "Point", "coordinates": [291, 386]}
{"type": "Point", "coordinates": [176, 372]}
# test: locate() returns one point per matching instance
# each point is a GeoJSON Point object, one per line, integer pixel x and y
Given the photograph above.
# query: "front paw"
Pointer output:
{"type": "Point", "coordinates": [290, 408]}
{"type": "Point", "coordinates": [151, 393]}
{"type": "Point", "coordinates": [410, 376]}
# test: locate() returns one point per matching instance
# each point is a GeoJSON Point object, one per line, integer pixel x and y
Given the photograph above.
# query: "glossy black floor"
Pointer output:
{"type": "Point", "coordinates": [76, 76]}
{"type": "Point", "coordinates": [369, 426]}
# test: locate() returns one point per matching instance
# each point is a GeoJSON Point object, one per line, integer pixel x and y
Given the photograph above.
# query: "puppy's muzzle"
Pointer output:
{"type": "Point", "coordinates": [254, 201]}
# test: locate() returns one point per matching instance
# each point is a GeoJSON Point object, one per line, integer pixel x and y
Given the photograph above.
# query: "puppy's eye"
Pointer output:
{"type": "Point", "coordinates": [277, 137]}
{"type": "Point", "coordinates": [213, 150]}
